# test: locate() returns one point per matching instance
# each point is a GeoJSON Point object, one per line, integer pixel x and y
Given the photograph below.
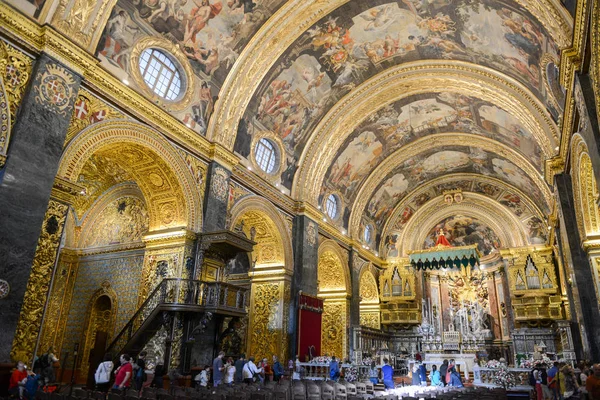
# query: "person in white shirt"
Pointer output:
{"type": "Point", "coordinates": [250, 371]}
{"type": "Point", "coordinates": [229, 372]}
{"type": "Point", "coordinates": [202, 378]}
{"type": "Point", "coordinates": [102, 375]}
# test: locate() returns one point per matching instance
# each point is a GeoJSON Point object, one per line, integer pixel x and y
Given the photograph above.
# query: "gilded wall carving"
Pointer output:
{"type": "Point", "coordinates": [266, 324]}
{"type": "Point", "coordinates": [330, 272]}
{"type": "Point", "coordinates": [81, 19]}
{"type": "Point", "coordinates": [56, 88]}
{"type": "Point", "coordinates": [15, 70]}
{"type": "Point", "coordinates": [260, 228]}
{"type": "Point", "coordinates": [595, 67]}
{"type": "Point", "coordinates": [55, 320]}
{"type": "Point", "coordinates": [333, 331]}
{"type": "Point", "coordinates": [30, 320]}
{"type": "Point", "coordinates": [89, 110]}
{"type": "Point", "coordinates": [368, 288]}
{"type": "Point", "coordinates": [158, 264]}
{"type": "Point", "coordinates": [370, 319]}
{"type": "Point", "coordinates": [585, 189]}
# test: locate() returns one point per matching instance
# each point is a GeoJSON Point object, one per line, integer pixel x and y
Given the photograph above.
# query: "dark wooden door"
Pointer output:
{"type": "Point", "coordinates": [96, 357]}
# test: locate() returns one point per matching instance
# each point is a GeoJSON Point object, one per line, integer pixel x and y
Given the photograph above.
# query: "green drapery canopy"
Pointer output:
{"type": "Point", "coordinates": [445, 257]}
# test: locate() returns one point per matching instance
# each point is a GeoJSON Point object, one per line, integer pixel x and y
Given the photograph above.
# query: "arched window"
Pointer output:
{"type": "Point", "coordinates": [160, 74]}
{"type": "Point", "coordinates": [368, 233]}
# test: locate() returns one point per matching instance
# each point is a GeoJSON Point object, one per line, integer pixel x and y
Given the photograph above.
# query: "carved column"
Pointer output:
{"type": "Point", "coordinates": [31, 165]}
{"type": "Point", "coordinates": [583, 283]}
{"type": "Point", "coordinates": [305, 241]}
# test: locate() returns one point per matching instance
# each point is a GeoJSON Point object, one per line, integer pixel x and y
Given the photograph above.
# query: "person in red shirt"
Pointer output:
{"type": "Point", "coordinates": [592, 384]}
{"type": "Point", "coordinates": [124, 373]}
{"type": "Point", "coordinates": [16, 387]}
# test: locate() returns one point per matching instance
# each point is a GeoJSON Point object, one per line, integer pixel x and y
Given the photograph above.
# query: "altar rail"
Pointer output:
{"type": "Point", "coordinates": [487, 376]}
{"type": "Point", "coordinates": [320, 371]}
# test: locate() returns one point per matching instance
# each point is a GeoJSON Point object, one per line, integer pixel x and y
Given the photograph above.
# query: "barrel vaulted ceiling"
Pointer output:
{"type": "Point", "coordinates": [383, 103]}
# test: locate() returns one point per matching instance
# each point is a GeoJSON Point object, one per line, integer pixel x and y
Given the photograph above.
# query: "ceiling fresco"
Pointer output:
{"type": "Point", "coordinates": [417, 116]}
{"type": "Point", "coordinates": [461, 230]}
{"type": "Point", "coordinates": [433, 163]}
{"type": "Point", "coordinates": [211, 34]}
{"type": "Point", "coordinates": [357, 41]}
{"type": "Point", "coordinates": [499, 192]}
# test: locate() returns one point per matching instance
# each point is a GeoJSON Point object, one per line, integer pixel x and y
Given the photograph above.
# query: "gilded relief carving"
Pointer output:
{"type": "Point", "coordinates": [266, 324]}
{"type": "Point", "coordinates": [89, 110]}
{"type": "Point", "coordinates": [333, 333]}
{"type": "Point", "coordinates": [370, 320]}
{"type": "Point", "coordinates": [55, 89]}
{"type": "Point", "coordinates": [34, 302]}
{"type": "Point", "coordinates": [220, 183]}
{"type": "Point", "coordinates": [331, 273]}
{"type": "Point", "coordinates": [80, 19]}
{"type": "Point", "coordinates": [368, 289]}
{"type": "Point", "coordinates": [585, 189]}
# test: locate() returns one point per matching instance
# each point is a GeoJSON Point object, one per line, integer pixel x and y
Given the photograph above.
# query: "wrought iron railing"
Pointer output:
{"type": "Point", "coordinates": [213, 296]}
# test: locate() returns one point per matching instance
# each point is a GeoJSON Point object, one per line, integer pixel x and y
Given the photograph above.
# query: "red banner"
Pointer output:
{"type": "Point", "coordinates": [309, 326]}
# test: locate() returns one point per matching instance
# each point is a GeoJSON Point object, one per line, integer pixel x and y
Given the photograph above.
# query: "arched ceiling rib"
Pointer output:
{"type": "Point", "coordinates": [439, 155]}
{"type": "Point", "coordinates": [267, 46]}
{"type": "Point", "coordinates": [408, 80]}
{"type": "Point", "coordinates": [505, 194]}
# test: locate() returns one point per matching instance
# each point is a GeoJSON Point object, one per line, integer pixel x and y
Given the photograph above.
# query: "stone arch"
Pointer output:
{"type": "Point", "coordinates": [272, 234]}
{"type": "Point", "coordinates": [169, 187]}
{"type": "Point", "coordinates": [585, 189]}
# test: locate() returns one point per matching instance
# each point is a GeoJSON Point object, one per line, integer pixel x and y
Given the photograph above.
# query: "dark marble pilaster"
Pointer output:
{"type": "Point", "coordinates": [216, 197]}
{"type": "Point", "coordinates": [357, 263]}
{"type": "Point", "coordinates": [583, 276]}
{"type": "Point", "coordinates": [589, 129]}
{"type": "Point", "coordinates": [305, 242]}
{"type": "Point", "coordinates": [33, 157]}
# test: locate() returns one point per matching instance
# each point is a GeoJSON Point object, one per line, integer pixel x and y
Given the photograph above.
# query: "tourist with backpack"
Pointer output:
{"type": "Point", "coordinates": [102, 375]}
{"type": "Point", "coordinates": [140, 370]}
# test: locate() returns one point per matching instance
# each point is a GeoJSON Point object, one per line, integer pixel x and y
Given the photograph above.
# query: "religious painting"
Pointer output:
{"type": "Point", "coordinates": [434, 163]}
{"type": "Point", "coordinates": [357, 41]}
{"type": "Point", "coordinates": [464, 185]}
{"type": "Point", "coordinates": [391, 245]}
{"type": "Point", "coordinates": [416, 116]}
{"type": "Point", "coordinates": [464, 231]}
{"type": "Point", "coordinates": [123, 220]}
{"type": "Point", "coordinates": [514, 203]}
{"type": "Point", "coordinates": [487, 189]}
{"type": "Point", "coordinates": [210, 33]}
{"type": "Point", "coordinates": [536, 230]}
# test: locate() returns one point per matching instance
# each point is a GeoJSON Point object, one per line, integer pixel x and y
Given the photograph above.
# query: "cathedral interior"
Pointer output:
{"type": "Point", "coordinates": [298, 177]}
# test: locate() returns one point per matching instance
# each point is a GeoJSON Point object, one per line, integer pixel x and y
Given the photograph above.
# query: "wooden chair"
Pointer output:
{"type": "Point", "coordinates": [350, 389]}
{"type": "Point", "coordinates": [327, 392]}
{"type": "Point", "coordinates": [370, 387]}
{"type": "Point", "coordinates": [299, 391]}
{"type": "Point", "coordinates": [361, 388]}
{"type": "Point", "coordinates": [313, 391]}
{"type": "Point", "coordinates": [340, 391]}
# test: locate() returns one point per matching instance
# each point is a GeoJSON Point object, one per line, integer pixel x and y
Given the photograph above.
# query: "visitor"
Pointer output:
{"type": "Point", "coordinates": [297, 369]}
{"type": "Point", "coordinates": [123, 373]}
{"type": "Point", "coordinates": [140, 370]}
{"type": "Point", "coordinates": [334, 369]}
{"type": "Point", "coordinates": [102, 375]}
{"type": "Point", "coordinates": [388, 374]}
{"type": "Point", "coordinates": [32, 384]}
{"type": "Point", "coordinates": [553, 380]}
{"type": "Point", "coordinates": [250, 371]}
{"type": "Point", "coordinates": [218, 369]}
{"type": "Point", "coordinates": [159, 373]}
{"type": "Point", "coordinates": [239, 366]}
{"type": "Point", "coordinates": [416, 379]}
{"type": "Point", "coordinates": [277, 369]}
{"type": "Point", "coordinates": [18, 379]}
{"type": "Point", "coordinates": [569, 386]}
{"type": "Point", "coordinates": [422, 374]}
{"type": "Point", "coordinates": [443, 372]}
{"type": "Point", "coordinates": [455, 378]}
{"type": "Point", "coordinates": [202, 378]}
{"type": "Point", "coordinates": [536, 382]}
{"type": "Point", "coordinates": [43, 365]}
{"type": "Point", "coordinates": [373, 373]}
{"type": "Point", "coordinates": [435, 377]}
{"type": "Point", "coordinates": [451, 365]}
{"type": "Point", "coordinates": [265, 376]}
{"type": "Point", "coordinates": [229, 372]}
{"type": "Point", "coordinates": [592, 384]}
